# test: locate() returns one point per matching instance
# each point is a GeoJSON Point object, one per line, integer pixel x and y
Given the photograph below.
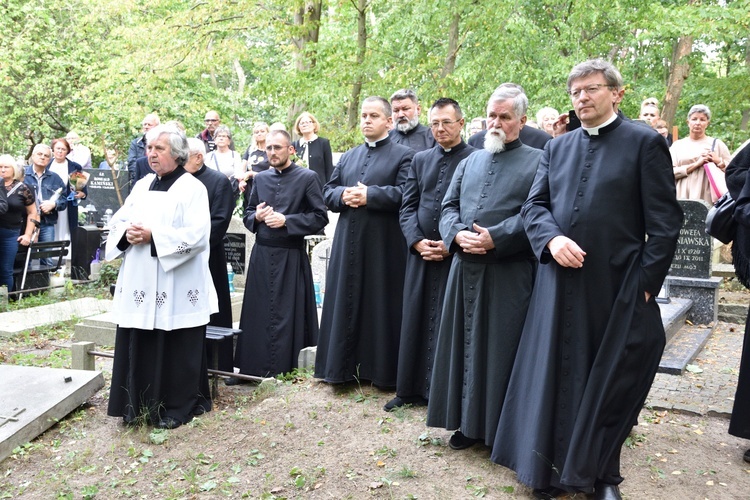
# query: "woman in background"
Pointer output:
{"type": "Point", "coordinates": [21, 206]}
{"type": "Point", "coordinates": [313, 151]}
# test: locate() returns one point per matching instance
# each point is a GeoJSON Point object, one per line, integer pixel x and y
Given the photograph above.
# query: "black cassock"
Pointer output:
{"type": "Point", "coordinates": [221, 204]}
{"type": "Point", "coordinates": [419, 138]}
{"type": "Point", "coordinates": [361, 321]}
{"type": "Point", "coordinates": [429, 177]}
{"type": "Point", "coordinates": [591, 344]}
{"type": "Point", "coordinates": [279, 316]}
{"type": "Point", "coordinates": [739, 188]}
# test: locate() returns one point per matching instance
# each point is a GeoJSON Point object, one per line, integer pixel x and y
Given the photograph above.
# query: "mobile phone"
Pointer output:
{"type": "Point", "coordinates": [573, 121]}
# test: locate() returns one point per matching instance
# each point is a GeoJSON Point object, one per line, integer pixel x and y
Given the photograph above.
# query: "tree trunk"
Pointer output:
{"type": "Point", "coordinates": [453, 46]}
{"type": "Point", "coordinates": [307, 23]}
{"type": "Point", "coordinates": [678, 72]}
{"type": "Point", "coordinates": [353, 107]}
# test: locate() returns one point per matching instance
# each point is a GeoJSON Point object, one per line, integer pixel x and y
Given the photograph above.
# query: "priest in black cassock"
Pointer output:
{"type": "Point", "coordinates": [361, 321]}
{"type": "Point", "coordinates": [490, 280]}
{"type": "Point", "coordinates": [221, 206]}
{"type": "Point", "coordinates": [407, 130]}
{"type": "Point", "coordinates": [429, 260]}
{"type": "Point", "coordinates": [279, 315]}
{"type": "Point", "coordinates": [164, 295]}
{"type": "Point", "coordinates": [603, 220]}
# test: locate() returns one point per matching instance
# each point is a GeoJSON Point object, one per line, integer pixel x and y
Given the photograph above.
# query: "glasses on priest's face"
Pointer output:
{"type": "Point", "coordinates": [590, 90]}
{"type": "Point", "coordinates": [443, 123]}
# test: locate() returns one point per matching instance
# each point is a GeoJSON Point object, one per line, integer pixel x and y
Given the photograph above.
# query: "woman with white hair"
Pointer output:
{"type": "Point", "coordinates": [691, 153]}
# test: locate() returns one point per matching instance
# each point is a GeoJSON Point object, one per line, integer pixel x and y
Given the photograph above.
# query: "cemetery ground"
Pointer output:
{"type": "Point", "coordinates": [299, 438]}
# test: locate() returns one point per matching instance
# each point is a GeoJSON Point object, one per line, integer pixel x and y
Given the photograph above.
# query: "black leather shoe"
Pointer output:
{"type": "Point", "coordinates": [548, 493]}
{"type": "Point", "coordinates": [746, 456]}
{"type": "Point", "coordinates": [399, 401]}
{"type": "Point", "coordinates": [604, 491]}
{"type": "Point", "coordinates": [235, 381]}
{"type": "Point", "coordinates": [168, 423]}
{"type": "Point", "coordinates": [460, 442]}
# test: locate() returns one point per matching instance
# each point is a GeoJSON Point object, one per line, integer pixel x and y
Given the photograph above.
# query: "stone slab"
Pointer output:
{"type": "Point", "coordinates": [683, 348]}
{"type": "Point", "coordinates": [673, 315]}
{"type": "Point", "coordinates": [704, 292]}
{"type": "Point", "coordinates": [38, 398]}
{"type": "Point", "coordinates": [100, 329]}
{"type": "Point", "coordinates": [14, 322]}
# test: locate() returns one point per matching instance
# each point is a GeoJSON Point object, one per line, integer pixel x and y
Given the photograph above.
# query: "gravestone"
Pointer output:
{"type": "Point", "coordinates": [321, 255]}
{"type": "Point", "coordinates": [238, 243]}
{"type": "Point", "coordinates": [107, 189]}
{"type": "Point", "coordinates": [690, 273]}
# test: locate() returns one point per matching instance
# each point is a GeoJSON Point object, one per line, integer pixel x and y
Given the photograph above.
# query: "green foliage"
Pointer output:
{"type": "Point", "coordinates": [100, 66]}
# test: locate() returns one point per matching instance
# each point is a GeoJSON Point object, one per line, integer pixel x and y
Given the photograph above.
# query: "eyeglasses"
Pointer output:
{"type": "Point", "coordinates": [444, 123]}
{"type": "Point", "coordinates": [211, 120]}
{"type": "Point", "coordinates": [590, 90]}
{"type": "Point", "coordinates": [305, 123]}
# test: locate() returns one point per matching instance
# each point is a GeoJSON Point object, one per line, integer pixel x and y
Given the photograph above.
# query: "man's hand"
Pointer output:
{"type": "Point", "coordinates": [432, 250]}
{"type": "Point", "coordinates": [137, 234]}
{"type": "Point", "coordinates": [566, 252]}
{"type": "Point", "coordinates": [262, 212]}
{"type": "Point", "coordinates": [561, 125]}
{"type": "Point", "coordinates": [276, 220]}
{"type": "Point", "coordinates": [47, 206]}
{"type": "Point", "coordinates": [355, 196]}
{"type": "Point", "coordinates": [475, 242]}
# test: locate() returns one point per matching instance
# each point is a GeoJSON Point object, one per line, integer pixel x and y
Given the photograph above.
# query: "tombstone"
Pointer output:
{"type": "Point", "coordinates": [690, 273]}
{"type": "Point", "coordinates": [321, 255]}
{"type": "Point", "coordinates": [107, 189]}
{"type": "Point", "coordinates": [238, 244]}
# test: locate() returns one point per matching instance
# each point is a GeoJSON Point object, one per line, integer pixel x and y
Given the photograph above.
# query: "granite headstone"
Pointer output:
{"type": "Point", "coordinates": [693, 256]}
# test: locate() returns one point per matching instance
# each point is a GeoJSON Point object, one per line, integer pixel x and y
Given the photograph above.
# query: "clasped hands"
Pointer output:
{"type": "Point", "coordinates": [355, 196]}
{"type": "Point", "coordinates": [433, 250]}
{"type": "Point", "coordinates": [476, 242]}
{"type": "Point", "coordinates": [273, 219]}
{"type": "Point", "coordinates": [137, 234]}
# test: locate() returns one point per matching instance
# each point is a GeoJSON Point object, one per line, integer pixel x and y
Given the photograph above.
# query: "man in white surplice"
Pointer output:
{"type": "Point", "coordinates": [164, 293]}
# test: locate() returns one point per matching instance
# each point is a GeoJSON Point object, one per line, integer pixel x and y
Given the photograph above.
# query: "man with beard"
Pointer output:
{"type": "Point", "coordinates": [603, 220]}
{"type": "Point", "coordinates": [406, 127]}
{"type": "Point", "coordinates": [220, 205]}
{"type": "Point", "coordinates": [429, 261]}
{"type": "Point", "coordinates": [279, 316]}
{"type": "Point", "coordinates": [529, 135]}
{"type": "Point", "coordinates": [361, 321]}
{"type": "Point", "coordinates": [491, 276]}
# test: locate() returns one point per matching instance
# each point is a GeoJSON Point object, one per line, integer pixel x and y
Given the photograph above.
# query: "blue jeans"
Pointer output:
{"type": "Point", "coordinates": [46, 233]}
{"type": "Point", "coordinates": [8, 249]}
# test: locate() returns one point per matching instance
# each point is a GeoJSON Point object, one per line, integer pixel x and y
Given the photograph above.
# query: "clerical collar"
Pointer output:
{"type": "Point", "coordinates": [283, 171]}
{"type": "Point", "coordinates": [380, 142]}
{"type": "Point", "coordinates": [164, 182]}
{"type": "Point", "coordinates": [595, 130]}
{"type": "Point", "coordinates": [516, 143]}
{"type": "Point", "coordinates": [458, 147]}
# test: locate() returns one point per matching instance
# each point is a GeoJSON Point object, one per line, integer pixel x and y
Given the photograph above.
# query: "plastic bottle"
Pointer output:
{"type": "Point", "coordinates": [230, 277]}
{"type": "Point", "coordinates": [316, 287]}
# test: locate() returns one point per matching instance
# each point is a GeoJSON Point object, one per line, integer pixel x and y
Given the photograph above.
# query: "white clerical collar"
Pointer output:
{"type": "Point", "coordinates": [372, 144]}
{"type": "Point", "coordinates": [595, 130]}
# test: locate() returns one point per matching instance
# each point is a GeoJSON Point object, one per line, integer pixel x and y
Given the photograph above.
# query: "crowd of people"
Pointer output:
{"type": "Point", "coordinates": [498, 281]}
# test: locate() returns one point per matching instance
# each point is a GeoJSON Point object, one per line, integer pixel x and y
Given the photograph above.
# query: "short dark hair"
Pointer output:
{"type": "Point", "coordinates": [445, 102]}
{"type": "Point", "coordinates": [607, 69]}
{"type": "Point", "coordinates": [280, 132]}
{"type": "Point", "coordinates": [386, 105]}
